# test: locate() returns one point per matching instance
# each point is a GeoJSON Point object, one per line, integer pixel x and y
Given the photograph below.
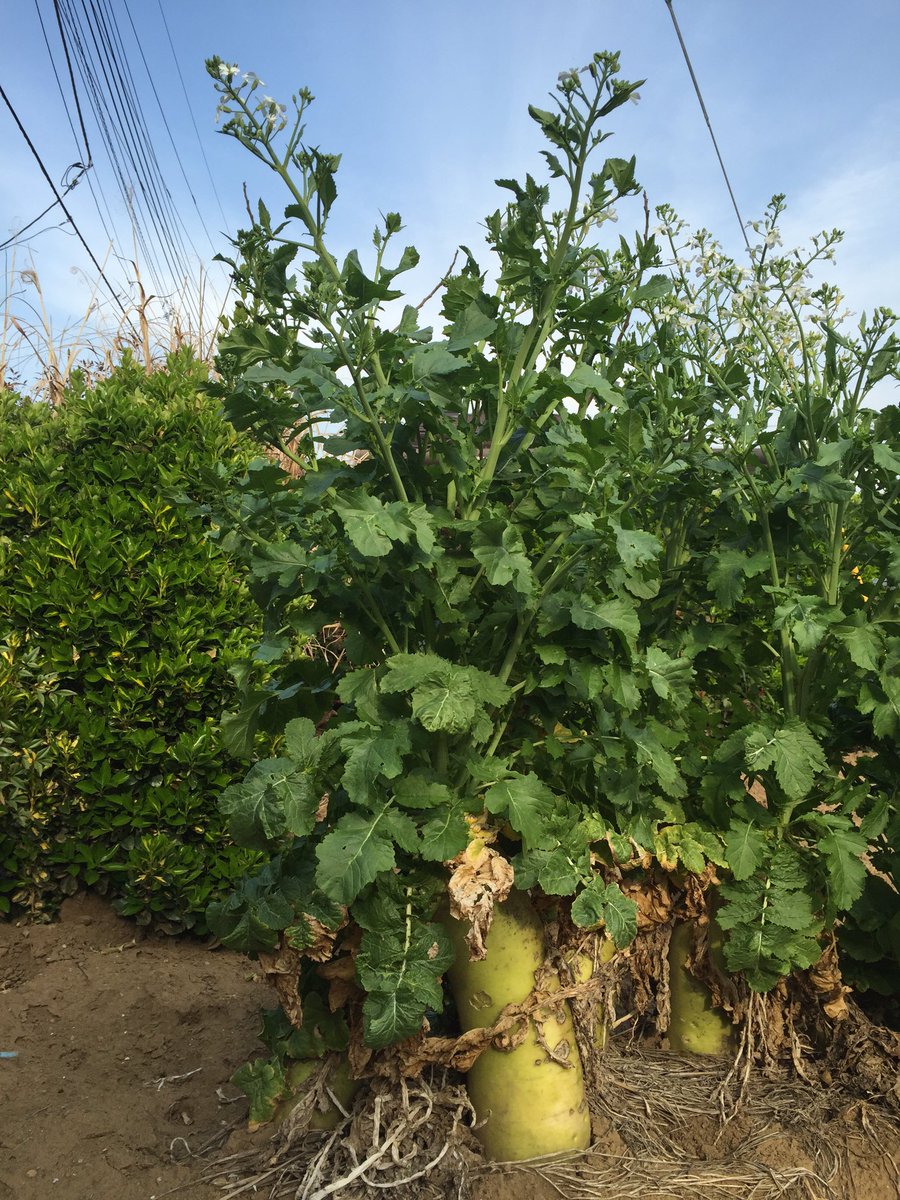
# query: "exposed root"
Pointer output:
{"type": "Point", "coordinates": [674, 1116]}
{"type": "Point", "coordinates": [412, 1139]}
{"type": "Point", "coordinates": [662, 1132]}
{"type": "Point", "coordinates": [648, 1179]}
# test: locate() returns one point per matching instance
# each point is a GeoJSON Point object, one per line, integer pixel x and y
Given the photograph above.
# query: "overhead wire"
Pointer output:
{"type": "Point", "coordinates": [126, 77]}
{"type": "Point", "coordinates": [65, 46]}
{"type": "Point", "coordinates": [690, 67]}
{"type": "Point", "coordinates": [177, 231]}
{"type": "Point", "coordinates": [190, 109]}
{"type": "Point", "coordinates": [113, 237]}
{"type": "Point", "coordinates": [62, 204]}
{"type": "Point", "coordinates": [128, 144]}
{"type": "Point", "coordinates": [80, 167]}
{"type": "Point", "coordinates": [17, 236]}
{"type": "Point", "coordinates": [143, 173]}
{"type": "Point", "coordinates": [85, 167]}
{"type": "Point", "coordinates": [111, 139]}
{"type": "Point", "coordinates": [167, 125]}
{"type": "Point", "coordinates": [119, 120]}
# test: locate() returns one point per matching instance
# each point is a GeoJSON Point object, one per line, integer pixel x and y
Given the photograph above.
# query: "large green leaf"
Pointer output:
{"type": "Point", "coordinates": [447, 707]}
{"type": "Point", "coordinates": [357, 850]}
{"type": "Point", "coordinates": [526, 803]}
{"type": "Point", "coordinates": [498, 546]}
{"type": "Point", "coordinates": [744, 848]}
{"type": "Point", "coordinates": [598, 903]}
{"type": "Point", "coordinates": [371, 525]}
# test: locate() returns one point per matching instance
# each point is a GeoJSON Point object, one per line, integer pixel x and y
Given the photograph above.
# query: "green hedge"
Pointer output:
{"type": "Point", "coordinates": [120, 625]}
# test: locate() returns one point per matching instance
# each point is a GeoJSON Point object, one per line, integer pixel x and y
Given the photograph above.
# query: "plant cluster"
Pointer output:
{"type": "Point", "coordinates": [614, 553]}
{"type": "Point", "coordinates": [122, 628]}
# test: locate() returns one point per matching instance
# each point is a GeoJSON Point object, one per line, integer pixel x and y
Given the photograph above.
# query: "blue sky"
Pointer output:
{"type": "Point", "coordinates": [427, 103]}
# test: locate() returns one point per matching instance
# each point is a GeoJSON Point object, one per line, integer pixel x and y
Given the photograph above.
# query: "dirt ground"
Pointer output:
{"type": "Point", "coordinates": [103, 1017]}
{"type": "Point", "coordinates": [126, 1042]}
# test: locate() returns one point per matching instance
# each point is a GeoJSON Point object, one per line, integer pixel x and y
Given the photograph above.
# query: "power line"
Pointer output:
{"type": "Point", "coordinates": [109, 27]}
{"type": "Point", "coordinates": [110, 135]}
{"type": "Point", "coordinates": [118, 120]}
{"type": "Point", "coordinates": [62, 204]}
{"type": "Point", "coordinates": [18, 234]}
{"type": "Point", "coordinates": [80, 167]}
{"type": "Point", "coordinates": [131, 140]}
{"type": "Point", "coordinates": [190, 112]}
{"type": "Point", "coordinates": [690, 68]}
{"type": "Point", "coordinates": [116, 107]}
{"type": "Point", "coordinates": [169, 130]}
{"type": "Point", "coordinates": [85, 167]}
{"type": "Point", "coordinates": [65, 47]}
{"type": "Point", "coordinates": [59, 88]}
{"type": "Point", "coordinates": [172, 222]}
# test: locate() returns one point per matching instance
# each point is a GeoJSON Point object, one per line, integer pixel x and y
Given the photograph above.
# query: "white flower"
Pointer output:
{"type": "Point", "coordinates": [773, 238]}
{"type": "Point", "coordinates": [801, 294]}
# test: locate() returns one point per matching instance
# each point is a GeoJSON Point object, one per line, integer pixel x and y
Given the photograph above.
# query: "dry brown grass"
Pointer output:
{"type": "Point", "coordinates": [38, 357]}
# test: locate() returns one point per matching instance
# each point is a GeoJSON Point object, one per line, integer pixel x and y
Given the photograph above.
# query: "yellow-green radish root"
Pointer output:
{"type": "Point", "coordinates": [582, 966]}
{"type": "Point", "coordinates": [695, 1026]}
{"type": "Point", "coordinates": [526, 1103]}
{"type": "Point", "coordinates": [339, 1083]}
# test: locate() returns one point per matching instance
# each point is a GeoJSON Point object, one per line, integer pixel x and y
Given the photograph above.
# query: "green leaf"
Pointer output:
{"type": "Point", "coordinates": [246, 932]}
{"type": "Point", "coordinates": [886, 458]}
{"type": "Point", "coordinates": [770, 921]}
{"type": "Point", "coordinates": [807, 618]}
{"type": "Point", "coordinates": [358, 849]}
{"type": "Point", "coordinates": [407, 671]}
{"type": "Point", "coordinates": [618, 615]}
{"type": "Point", "coordinates": [449, 707]}
{"type": "Point", "coordinates": [359, 688]}
{"type": "Point", "coordinates": [605, 903]}
{"type": "Point", "coordinates": [670, 678]}
{"type": "Point", "coordinates": [444, 836]}
{"type": "Point", "coordinates": [636, 547]}
{"type": "Point", "coordinates": [585, 378]}
{"type": "Point", "coordinates": [652, 753]}
{"type": "Point", "coordinates": [525, 801]}
{"type": "Point", "coordinates": [370, 525]}
{"type": "Point", "coordinates": [262, 1082]}
{"type": "Point", "coordinates": [419, 791]}
{"type": "Point", "coordinates": [557, 874]}
{"type": "Point", "coordinates": [744, 849]}
{"type": "Point", "coordinates": [688, 843]}
{"type": "Point", "coordinates": [322, 1030]}
{"type": "Point", "coordinates": [794, 752]}
{"type": "Point", "coordinates": [864, 644]}
{"type": "Point", "coordinates": [500, 550]}
{"type": "Point", "coordinates": [372, 753]}
{"type": "Point", "coordinates": [302, 742]}
{"type": "Point", "coordinates": [728, 570]}
{"type": "Point", "coordinates": [400, 968]}
{"type": "Point", "coordinates": [445, 697]}
{"type": "Point", "coordinates": [434, 361]}
{"type": "Point", "coordinates": [842, 847]}
{"type": "Point", "coordinates": [471, 327]}
{"type": "Point", "coordinates": [275, 798]}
